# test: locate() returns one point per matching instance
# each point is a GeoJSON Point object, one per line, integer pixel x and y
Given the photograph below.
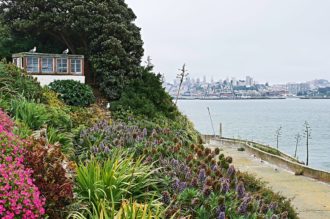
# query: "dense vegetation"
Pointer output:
{"type": "Point", "coordinates": [86, 164]}
{"type": "Point", "coordinates": [145, 96]}
{"type": "Point", "coordinates": [103, 31]}
{"type": "Point", "coordinates": [73, 93]}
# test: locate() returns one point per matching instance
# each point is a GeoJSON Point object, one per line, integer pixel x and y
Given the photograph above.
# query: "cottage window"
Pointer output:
{"type": "Point", "coordinates": [19, 63]}
{"type": "Point", "coordinates": [47, 65]}
{"type": "Point", "coordinates": [76, 66]}
{"type": "Point", "coordinates": [62, 65]}
{"type": "Point", "coordinates": [32, 64]}
{"type": "Point", "coordinates": [15, 61]}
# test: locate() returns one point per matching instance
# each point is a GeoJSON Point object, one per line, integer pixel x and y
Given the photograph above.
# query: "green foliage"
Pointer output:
{"type": "Point", "coordinates": [10, 44]}
{"type": "Point", "coordinates": [135, 210]}
{"type": "Point", "coordinates": [103, 31]}
{"type": "Point", "coordinates": [4, 104]}
{"type": "Point", "coordinates": [59, 118]}
{"type": "Point", "coordinates": [65, 139]}
{"type": "Point", "coordinates": [117, 178]}
{"type": "Point", "coordinates": [87, 116]}
{"type": "Point", "coordinates": [51, 98]}
{"type": "Point", "coordinates": [33, 115]}
{"type": "Point", "coordinates": [14, 82]}
{"type": "Point", "coordinates": [73, 92]}
{"type": "Point", "coordinates": [267, 149]}
{"type": "Point", "coordinates": [188, 194]}
{"type": "Point", "coordinates": [21, 129]}
{"type": "Point", "coordinates": [145, 96]}
{"type": "Point", "coordinates": [128, 210]}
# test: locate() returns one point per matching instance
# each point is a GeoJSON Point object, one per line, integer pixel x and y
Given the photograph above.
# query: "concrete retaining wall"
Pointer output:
{"type": "Point", "coordinates": [284, 161]}
{"type": "Point", "coordinates": [47, 79]}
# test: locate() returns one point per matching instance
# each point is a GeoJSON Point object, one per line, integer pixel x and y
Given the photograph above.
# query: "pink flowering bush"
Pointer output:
{"type": "Point", "coordinates": [19, 197]}
{"type": "Point", "coordinates": [6, 125]}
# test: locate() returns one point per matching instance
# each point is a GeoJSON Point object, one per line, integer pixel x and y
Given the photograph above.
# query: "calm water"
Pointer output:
{"type": "Point", "coordinates": [258, 120]}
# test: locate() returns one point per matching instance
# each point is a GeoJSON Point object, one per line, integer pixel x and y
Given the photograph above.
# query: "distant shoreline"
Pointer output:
{"type": "Point", "coordinates": [275, 98]}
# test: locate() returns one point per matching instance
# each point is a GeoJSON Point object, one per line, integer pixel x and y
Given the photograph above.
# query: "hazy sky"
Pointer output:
{"type": "Point", "coordinates": [270, 40]}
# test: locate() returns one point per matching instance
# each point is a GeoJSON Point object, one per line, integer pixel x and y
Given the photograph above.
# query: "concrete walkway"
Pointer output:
{"type": "Point", "coordinates": [310, 197]}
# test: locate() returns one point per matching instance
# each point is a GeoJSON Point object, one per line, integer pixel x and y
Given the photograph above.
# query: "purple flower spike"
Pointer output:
{"type": "Point", "coordinates": [182, 186]}
{"type": "Point", "coordinates": [201, 176]}
{"type": "Point", "coordinates": [145, 132]}
{"type": "Point", "coordinates": [231, 171]}
{"type": "Point", "coordinates": [166, 199]}
{"type": "Point", "coordinates": [240, 190]}
{"type": "Point", "coordinates": [176, 184]}
{"type": "Point", "coordinates": [107, 149]}
{"type": "Point", "coordinates": [242, 209]}
{"type": "Point", "coordinates": [225, 186]}
{"type": "Point", "coordinates": [222, 215]}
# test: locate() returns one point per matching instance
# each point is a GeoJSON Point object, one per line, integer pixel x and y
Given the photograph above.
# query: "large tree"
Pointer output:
{"type": "Point", "coordinates": [102, 30]}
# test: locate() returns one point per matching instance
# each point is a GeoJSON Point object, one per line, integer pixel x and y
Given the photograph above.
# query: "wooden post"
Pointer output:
{"type": "Point", "coordinates": [40, 65]}
{"type": "Point", "coordinates": [220, 130]}
{"type": "Point", "coordinates": [68, 62]}
{"type": "Point", "coordinates": [82, 65]}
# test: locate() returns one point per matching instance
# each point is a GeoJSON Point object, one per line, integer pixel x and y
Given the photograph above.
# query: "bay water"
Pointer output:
{"type": "Point", "coordinates": [258, 120]}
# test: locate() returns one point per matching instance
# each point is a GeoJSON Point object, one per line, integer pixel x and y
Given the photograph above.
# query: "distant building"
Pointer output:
{"type": "Point", "coordinates": [295, 88]}
{"type": "Point", "coordinates": [50, 67]}
{"type": "Point", "coordinates": [204, 79]}
{"type": "Point", "coordinates": [249, 81]}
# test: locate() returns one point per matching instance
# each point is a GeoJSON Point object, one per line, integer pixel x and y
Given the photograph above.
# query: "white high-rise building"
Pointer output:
{"type": "Point", "coordinates": [249, 81]}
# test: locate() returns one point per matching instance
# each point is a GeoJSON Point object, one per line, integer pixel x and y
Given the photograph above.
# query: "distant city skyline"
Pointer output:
{"type": "Point", "coordinates": [279, 41]}
{"type": "Point", "coordinates": [204, 78]}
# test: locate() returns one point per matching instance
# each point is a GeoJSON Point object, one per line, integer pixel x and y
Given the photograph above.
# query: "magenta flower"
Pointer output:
{"type": "Point", "coordinates": [19, 197]}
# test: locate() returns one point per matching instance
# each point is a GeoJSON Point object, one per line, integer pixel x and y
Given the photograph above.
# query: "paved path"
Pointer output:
{"type": "Point", "coordinates": [311, 197]}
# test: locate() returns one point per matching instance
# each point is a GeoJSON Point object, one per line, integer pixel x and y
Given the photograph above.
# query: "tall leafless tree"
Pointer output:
{"type": "Point", "coordinates": [308, 137]}
{"type": "Point", "coordinates": [297, 138]}
{"type": "Point", "coordinates": [278, 134]}
{"type": "Point", "coordinates": [182, 75]}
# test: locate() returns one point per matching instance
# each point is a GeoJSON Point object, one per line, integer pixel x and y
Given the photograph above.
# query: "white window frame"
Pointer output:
{"type": "Point", "coordinates": [47, 65]}
{"type": "Point", "coordinates": [74, 66]}
{"type": "Point", "coordinates": [34, 67]}
{"type": "Point", "coordinates": [61, 65]}
{"type": "Point", "coordinates": [19, 63]}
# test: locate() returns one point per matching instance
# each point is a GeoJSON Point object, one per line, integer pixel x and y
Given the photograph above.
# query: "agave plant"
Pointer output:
{"type": "Point", "coordinates": [128, 210]}
{"type": "Point", "coordinates": [134, 210]}
{"type": "Point", "coordinates": [119, 177]}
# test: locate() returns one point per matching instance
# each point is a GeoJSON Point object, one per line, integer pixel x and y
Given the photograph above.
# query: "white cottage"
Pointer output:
{"type": "Point", "coordinates": [50, 67]}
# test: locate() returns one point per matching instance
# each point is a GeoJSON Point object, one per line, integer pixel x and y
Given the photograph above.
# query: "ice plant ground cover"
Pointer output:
{"type": "Point", "coordinates": [19, 197]}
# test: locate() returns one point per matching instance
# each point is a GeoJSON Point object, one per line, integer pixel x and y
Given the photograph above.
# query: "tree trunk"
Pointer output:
{"type": "Point", "coordinates": [68, 43]}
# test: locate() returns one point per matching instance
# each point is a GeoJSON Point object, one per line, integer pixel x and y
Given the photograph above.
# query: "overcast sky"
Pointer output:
{"type": "Point", "coordinates": [271, 40]}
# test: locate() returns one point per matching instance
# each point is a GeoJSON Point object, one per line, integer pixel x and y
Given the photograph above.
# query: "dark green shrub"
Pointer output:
{"type": "Point", "coordinates": [145, 96]}
{"type": "Point", "coordinates": [73, 92]}
{"type": "Point", "coordinates": [14, 82]}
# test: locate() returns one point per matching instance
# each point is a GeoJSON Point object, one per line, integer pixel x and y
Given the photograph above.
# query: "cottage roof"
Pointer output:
{"type": "Point", "coordinates": [25, 54]}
